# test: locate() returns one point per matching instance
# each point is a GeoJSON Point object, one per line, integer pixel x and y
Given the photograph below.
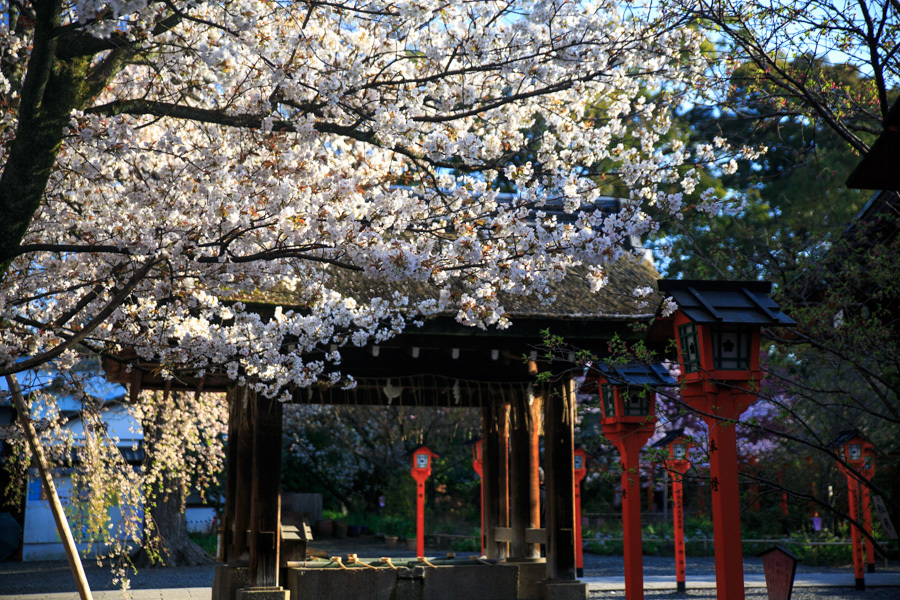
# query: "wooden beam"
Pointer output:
{"type": "Point", "coordinates": [227, 526]}
{"type": "Point", "coordinates": [503, 472]}
{"type": "Point", "coordinates": [536, 502]}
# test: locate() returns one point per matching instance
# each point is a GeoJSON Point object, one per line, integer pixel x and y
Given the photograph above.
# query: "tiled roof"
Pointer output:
{"type": "Point", "coordinates": [738, 302]}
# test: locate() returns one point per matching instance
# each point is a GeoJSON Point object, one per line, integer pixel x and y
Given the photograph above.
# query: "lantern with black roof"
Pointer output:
{"type": "Point", "coordinates": [858, 453]}
{"type": "Point", "coordinates": [678, 446]}
{"type": "Point", "coordinates": [717, 328]}
{"type": "Point", "coordinates": [627, 394]}
{"type": "Point", "coordinates": [626, 391]}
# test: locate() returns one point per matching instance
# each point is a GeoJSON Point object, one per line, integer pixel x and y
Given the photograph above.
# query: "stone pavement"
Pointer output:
{"type": "Point", "coordinates": [751, 580]}
{"type": "Point", "coordinates": [157, 594]}
{"type": "Point", "coordinates": [603, 574]}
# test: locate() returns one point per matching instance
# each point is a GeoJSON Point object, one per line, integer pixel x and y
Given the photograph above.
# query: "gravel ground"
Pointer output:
{"type": "Point", "coordinates": [54, 576]}
{"type": "Point", "coordinates": [871, 593]}
{"type": "Point", "coordinates": [611, 566]}
{"type": "Point", "coordinates": [48, 577]}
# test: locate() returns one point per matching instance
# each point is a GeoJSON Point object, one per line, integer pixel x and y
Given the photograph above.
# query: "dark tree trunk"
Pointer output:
{"type": "Point", "coordinates": [166, 541]}
{"type": "Point", "coordinates": [169, 536]}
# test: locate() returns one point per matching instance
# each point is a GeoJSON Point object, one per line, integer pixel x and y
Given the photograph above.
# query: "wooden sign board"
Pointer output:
{"type": "Point", "coordinates": [780, 565]}
{"type": "Point", "coordinates": [884, 517]}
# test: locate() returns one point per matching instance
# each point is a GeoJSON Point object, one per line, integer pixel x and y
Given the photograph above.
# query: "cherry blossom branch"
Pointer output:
{"type": "Point", "coordinates": [101, 316]}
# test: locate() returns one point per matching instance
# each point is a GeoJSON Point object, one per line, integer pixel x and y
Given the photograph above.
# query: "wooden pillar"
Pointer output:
{"type": "Point", "coordinates": [859, 556]}
{"type": "Point", "coordinates": [536, 502]}
{"type": "Point", "coordinates": [265, 484]}
{"type": "Point", "coordinates": [524, 504]}
{"type": "Point", "coordinates": [503, 452]}
{"type": "Point", "coordinates": [723, 411]}
{"type": "Point", "coordinates": [242, 465]}
{"type": "Point", "coordinates": [227, 525]}
{"type": "Point", "coordinates": [559, 446]}
{"type": "Point", "coordinates": [495, 477]}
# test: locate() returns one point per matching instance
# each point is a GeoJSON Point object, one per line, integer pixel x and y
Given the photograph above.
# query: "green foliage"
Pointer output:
{"type": "Point", "coordinates": [207, 541]}
{"type": "Point", "coordinates": [391, 525]}
{"type": "Point", "coordinates": [333, 514]}
{"type": "Point", "coordinates": [465, 545]}
{"type": "Point", "coordinates": [796, 200]}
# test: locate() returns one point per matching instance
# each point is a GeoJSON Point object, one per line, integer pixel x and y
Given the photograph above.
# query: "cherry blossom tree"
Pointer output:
{"type": "Point", "coordinates": [161, 161]}
{"type": "Point", "coordinates": [165, 163]}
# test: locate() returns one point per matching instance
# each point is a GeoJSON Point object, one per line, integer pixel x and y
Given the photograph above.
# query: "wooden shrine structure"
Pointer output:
{"type": "Point", "coordinates": [439, 364]}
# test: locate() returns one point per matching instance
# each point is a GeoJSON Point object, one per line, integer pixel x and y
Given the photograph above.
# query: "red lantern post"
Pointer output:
{"type": "Point", "coordinates": [717, 331]}
{"type": "Point", "coordinates": [868, 473]}
{"type": "Point", "coordinates": [629, 405]}
{"type": "Point", "coordinates": [421, 470]}
{"type": "Point", "coordinates": [677, 464]}
{"type": "Point", "coordinates": [580, 470]}
{"type": "Point", "coordinates": [854, 448]}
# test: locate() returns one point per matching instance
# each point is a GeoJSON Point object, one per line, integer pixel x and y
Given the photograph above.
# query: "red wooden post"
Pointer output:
{"type": "Point", "coordinates": [858, 453]}
{"type": "Point", "coordinates": [868, 472]}
{"type": "Point", "coordinates": [421, 470]}
{"type": "Point", "coordinates": [867, 523]}
{"type": "Point", "coordinates": [853, 486]}
{"type": "Point", "coordinates": [477, 464]}
{"type": "Point", "coordinates": [677, 464]}
{"type": "Point", "coordinates": [420, 518]}
{"type": "Point", "coordinates": [679, 468]}
{"type": "Point", "coordinates": [629, 438]}
{"type": "Point", "coordinates": [723, 409]}
{"type": "Point", "coordinates": [580, 470]}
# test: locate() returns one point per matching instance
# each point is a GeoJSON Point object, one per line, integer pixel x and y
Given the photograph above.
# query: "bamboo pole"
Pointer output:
{"type": "Point", "coordinates": [62, 525]}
